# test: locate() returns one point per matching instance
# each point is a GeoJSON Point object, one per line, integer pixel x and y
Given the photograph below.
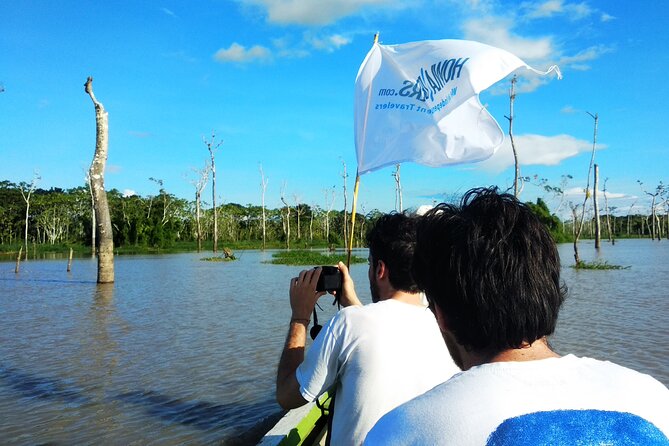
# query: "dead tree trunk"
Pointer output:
{"type": "Point", "coordinates": [512, 97]}
{"type": "Point", "coordinates": [97, 175]}
{"type": "Point", "coordinates": [587, 190]}
{"type": "Point", "coordinates": [608, 214]}
{"type": "Point", "coordinates": [344, 176]}
{"type": "Point", "coordinates": [200, 183]}
{"type": "Point", "coordinates": [263, 185]}
{"type": "Point", "coordinates": [398, 188]}
{"type": "Point", "coordinates": [212, 149]}
{"type": "Point", "coordinates": [26, 198]}
{"type": "Point", "coordinates": [598, 231]}
{"type": "Point", "coordinates": [328, 208]}
{"type": "Point", "coordinates": [283, 200]}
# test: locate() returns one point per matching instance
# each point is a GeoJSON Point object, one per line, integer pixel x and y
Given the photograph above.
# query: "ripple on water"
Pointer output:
{"type": "Point", "coordinates": [181, 351]}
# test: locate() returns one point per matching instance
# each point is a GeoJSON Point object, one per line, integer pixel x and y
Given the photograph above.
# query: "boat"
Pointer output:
{"type": "Point", "coordinates": [303, 426]}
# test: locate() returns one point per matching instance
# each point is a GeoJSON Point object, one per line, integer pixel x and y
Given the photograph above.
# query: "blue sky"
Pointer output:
{"type": "Point", "coordinates": [273, 79]}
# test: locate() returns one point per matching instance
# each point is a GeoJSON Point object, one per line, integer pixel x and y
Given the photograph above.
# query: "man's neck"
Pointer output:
{"type": "Point", "coordinates": [539, 349]}
{"type": "Point", "coordinates": [405, 297]}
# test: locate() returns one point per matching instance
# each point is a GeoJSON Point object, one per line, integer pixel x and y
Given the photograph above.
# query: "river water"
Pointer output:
{"type": "Point", "coordinates": [183, 351]}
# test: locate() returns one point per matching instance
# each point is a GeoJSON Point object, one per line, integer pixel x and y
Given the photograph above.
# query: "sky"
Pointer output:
{"type": "Point", "coordinates": [273, 81]}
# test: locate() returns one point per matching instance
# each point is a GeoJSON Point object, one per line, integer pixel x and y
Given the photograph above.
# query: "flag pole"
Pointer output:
{"type": "Point", "coordinates": [355, 204]}
{"type": "Point", "coordinates": [355, 195]}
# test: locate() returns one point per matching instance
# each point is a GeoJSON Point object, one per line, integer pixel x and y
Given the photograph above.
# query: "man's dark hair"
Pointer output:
{"type": "Point", "coordinates": [392, 239]}
{"type": "Point", "coordinates": [493, 270]}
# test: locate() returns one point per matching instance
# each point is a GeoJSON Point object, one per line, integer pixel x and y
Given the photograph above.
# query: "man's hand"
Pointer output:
{"type": "Point", "coordinates": [303, 294]}
{"type": "Point", "coordinates": [348, 295]}
{"type": "Point", "coordinates": [303, 298]}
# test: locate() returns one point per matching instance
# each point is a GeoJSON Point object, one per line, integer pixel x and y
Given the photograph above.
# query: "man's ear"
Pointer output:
{"type": "Point", "coordinates": [381, 269]}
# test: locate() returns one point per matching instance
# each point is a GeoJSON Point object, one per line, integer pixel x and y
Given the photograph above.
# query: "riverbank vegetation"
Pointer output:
{"type": "Point", "coordinates": [304, 257]}
{"type": "Point", "coordinates": [60, 219]}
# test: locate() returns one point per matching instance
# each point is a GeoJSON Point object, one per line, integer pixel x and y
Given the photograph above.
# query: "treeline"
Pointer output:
{"type": "Point", "coordinates": [612, 226]}
{"type": "Point", "coordinates": [63, 216]}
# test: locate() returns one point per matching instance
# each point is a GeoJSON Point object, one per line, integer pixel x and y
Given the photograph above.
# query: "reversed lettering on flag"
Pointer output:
{"type": "Point", "coordinates": [419, 102]}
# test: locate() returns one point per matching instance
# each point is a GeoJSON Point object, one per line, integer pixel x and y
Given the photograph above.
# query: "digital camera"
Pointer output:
{"type": "Point", "coordinates": [329, 280]}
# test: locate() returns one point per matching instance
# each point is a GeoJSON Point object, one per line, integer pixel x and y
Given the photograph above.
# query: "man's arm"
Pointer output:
{"type": "Point", "coordinates": [287, 388]}
{"type": "Point", "coordinates": [303, 298]}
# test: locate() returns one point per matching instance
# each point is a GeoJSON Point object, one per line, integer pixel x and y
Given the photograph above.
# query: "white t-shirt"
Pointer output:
{"type": "Point", "coordinates": [556, 401]}
{"type": "Point", "coordinates": [378, 356]}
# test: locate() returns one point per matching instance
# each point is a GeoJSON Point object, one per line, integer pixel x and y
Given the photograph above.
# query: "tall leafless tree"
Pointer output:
{"type": "Point", "coordinates": [329, 204]}
{"type": "Point", "coordinates": [26, 193]}
{"type": "Point", "coordinates": [608, 212]}
{"type": "Point", "coordinates": [212, 147]}
{"type": "Point", "coordinates": [579, 226]}
{"type": "Point", "coordinates": [287, 218]}
{"type": "Point", "coordinates": [659, 191]}
{"type": "Point", "coordinates": [398, 188]}
{"type": "Point", "coordinates": [97, 174]}
{"type": "Point", "coordinates": [595, 202]}
{"type": "Point", "coordinates": [512, 98]}
{"type": "Point", "coordinates": [263, 186]}
{"type": "Point", "coordinates": [200, 183]}
{"type": "Point", "coordinates": [344, 175]}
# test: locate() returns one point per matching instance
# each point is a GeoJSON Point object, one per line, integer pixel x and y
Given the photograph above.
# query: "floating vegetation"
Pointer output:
{"type": "Point", "coordinates": [305, 257]}
{"type": "Point", "coordinates": [598, 265]}
{"type": "Point", "coordinates": [227, 256]}
{"type": "Point", "coordinates": [218, 259]}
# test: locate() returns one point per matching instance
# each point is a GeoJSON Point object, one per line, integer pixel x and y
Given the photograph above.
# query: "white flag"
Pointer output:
{"type": "Point", "coordinates": [419, 102]}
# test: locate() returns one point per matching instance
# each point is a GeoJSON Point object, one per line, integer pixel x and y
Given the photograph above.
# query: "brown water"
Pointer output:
{"type": "Point", "coordinates": [181, 351]}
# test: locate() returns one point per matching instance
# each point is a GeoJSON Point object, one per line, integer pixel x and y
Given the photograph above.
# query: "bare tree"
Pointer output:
{"type": "Point", "coordinates": [344, 175]}
{"type": "Point", "coordinates": [200, 183]}
{"type": "Point", "coordinates": [26, 192]}
{"type": "Point", "coordinates": [398, 188]}
{"type": "Point", "coordinates": [287, 219]}
{"type": "Point", "coordinates": [329, 204]}
{"type": "Point", "coordinates": [659, 191]}
{"type": "Point", "coordinates": [263, 186]}
{"type": "Point", "coordinates": [512, 98]}
{"type": "Point", "coordinates": [629, 214]}
{"type": "Point", "coordinates": [212, 147]}
{"type": "Point", "coordinates": [97, 173]}
{"type": "Point", "coordinates": [579, 225]}
{"type": "Point", "coordinates": [608, 212]}
{"type": "Point", "coordinates": [595, 202]}
{"type": "Point", "coordinates": [299, 211]}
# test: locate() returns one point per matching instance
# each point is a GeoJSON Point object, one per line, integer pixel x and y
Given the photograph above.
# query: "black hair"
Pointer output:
{"type": "Point", "coordinates": [393, 239]}
{"type": "Point", "coordinates": [493, 270]}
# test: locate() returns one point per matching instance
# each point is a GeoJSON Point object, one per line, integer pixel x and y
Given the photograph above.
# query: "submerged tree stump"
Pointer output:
{"type": "Point", "coordinates": [96, 173]}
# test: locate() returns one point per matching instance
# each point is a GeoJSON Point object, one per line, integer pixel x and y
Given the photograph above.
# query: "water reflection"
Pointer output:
{"type": "Point", "coordinates": [29, 385]}
{"type": "Point", "coordinates": [181, 351]}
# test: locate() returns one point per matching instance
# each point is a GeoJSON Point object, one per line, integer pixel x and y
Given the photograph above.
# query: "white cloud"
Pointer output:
{"type": "Point", "coordinates": [326, 43]}
{"type": "Point", "coordinates": [569, 110]}
{"type": "Point", "coordinates": [537, 150]}
{"type": "Point", "coordinates": [139, 134]}
{"type": "Point", "coordinates": [579, 192]}
{"type": "Point", "coordinates": [314, 12]}
{"type": "Point", "coordinates": [539, 52]}
{"type": "Point", "coordinates": [550, 8]}
{"type": "Point", "coordinates": [606, 17]}
{"type": "Point", "coordinates": [496, 31]}
{"type": "Point", "coordinates": [240, 54]}
{"type": "Point", "coordinates": [129, 193]}
{"type": "Point", "coordinates": [168, 12]}
{"type": "Point", "coordinates": [576, 62]}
